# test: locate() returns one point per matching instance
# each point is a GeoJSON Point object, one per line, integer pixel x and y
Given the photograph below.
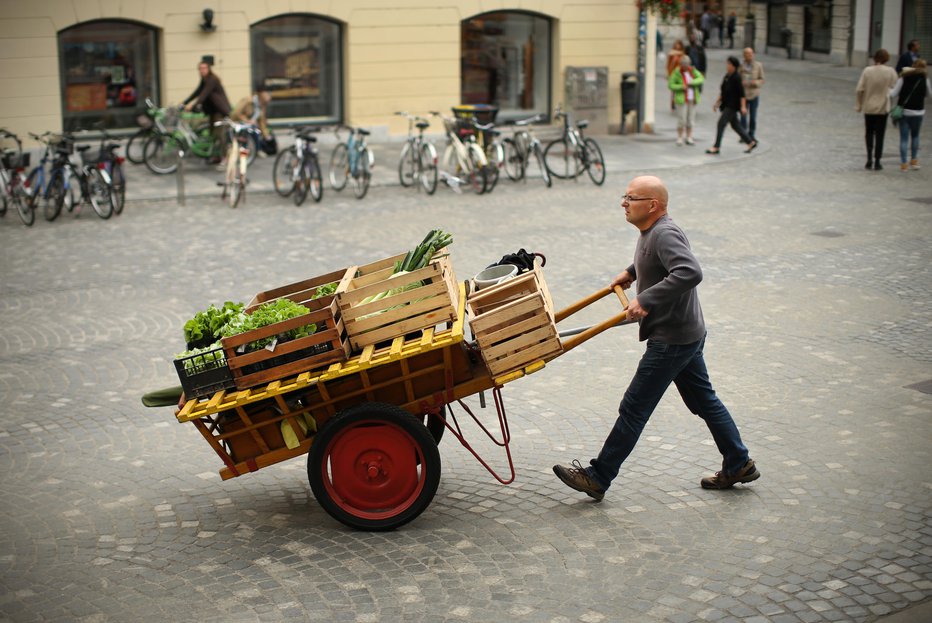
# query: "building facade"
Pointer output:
{"type": "Point", "coordinates": [70, 64]}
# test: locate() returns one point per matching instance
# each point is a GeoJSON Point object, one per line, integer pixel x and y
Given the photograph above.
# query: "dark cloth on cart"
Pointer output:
{"type": "Point", "coordinates": [522, 259]}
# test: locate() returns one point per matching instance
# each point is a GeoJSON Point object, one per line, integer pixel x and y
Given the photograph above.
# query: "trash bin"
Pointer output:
{"type": "Point", "coordinates": [785, 36]}
{"type": "Point", "coordinates": [630, 96]}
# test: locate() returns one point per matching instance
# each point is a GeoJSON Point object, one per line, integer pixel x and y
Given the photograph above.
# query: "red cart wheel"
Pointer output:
{"type": "Point", "coordinates": [374, 467]}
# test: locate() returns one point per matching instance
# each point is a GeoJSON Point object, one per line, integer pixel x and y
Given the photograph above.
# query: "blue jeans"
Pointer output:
{"type": "Point", "coordinates": [749, 121]}
{"type": "Point", "coordinates": [661, 365]}
{"type": "Point", "coordinates": [909, 126]}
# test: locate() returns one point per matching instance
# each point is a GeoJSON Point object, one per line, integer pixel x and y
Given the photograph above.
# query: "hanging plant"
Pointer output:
{"type": "Point", "coordinates": [667, 10]}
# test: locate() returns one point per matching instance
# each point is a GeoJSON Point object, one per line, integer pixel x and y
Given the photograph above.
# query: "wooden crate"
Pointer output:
{"type": "Point", "coordinates": [513, 323]}
{"type": "Point", "coordinates": [327, 345]}
{"type": "Point", "coordinates": [301, 292]}
{"type": "Point", "coordinates": [424, 307]}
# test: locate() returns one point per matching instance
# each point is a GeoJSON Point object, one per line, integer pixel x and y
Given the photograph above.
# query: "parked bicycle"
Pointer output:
{"type": "Point", "coordinates": [238, 137]}
{"type": "Point", "coordinates": [463, 159]}
{"type": "Point", "coordinates": [352, 160]}
{"type": "Point", "coordinates": [150, 123]}
{"type": "Point", "coordinates": [37, 180]}
{"type": "Point", "coordinates": [13, 189]}
{"type": "Point", "coordinates": [487, 137]}
{"type": "Point", "coordinates": [521, 148]}
{"type": "Point", "coordinates": [83, 182]}
{"type": "Point", "coordinates": [572, 153]}
{"type": "Point", "coordinates": [296, 171]}
{"type": "Point", "coordinates": [418, 161]}
{"type": "Point", "coordinates": [192, 134]}
{"type": "Point", "coordinates": [111, 167]}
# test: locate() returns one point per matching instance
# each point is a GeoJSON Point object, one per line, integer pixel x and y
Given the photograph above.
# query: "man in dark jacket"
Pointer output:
{"type": "Point", "coordinates": [211, 98]}
{"type": "Point", "coordinates": [910, 56]}
{"type": "Point", "coordinates": [671, 322]}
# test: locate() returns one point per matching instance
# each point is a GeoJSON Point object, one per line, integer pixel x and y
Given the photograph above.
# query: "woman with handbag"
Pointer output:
{"type": "Point", "coordinates": [911, 90]}
{"type": "Point", "coordinates": [872, 98]}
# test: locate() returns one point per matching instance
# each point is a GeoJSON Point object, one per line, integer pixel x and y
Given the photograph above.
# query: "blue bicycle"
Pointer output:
{"type": "Point", "coordinates": [36, 181]}
{"type": "Point", "coordinates": [352, 159]}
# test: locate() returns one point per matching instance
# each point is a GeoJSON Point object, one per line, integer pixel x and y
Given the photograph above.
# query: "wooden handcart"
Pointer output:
{"type": "Point", "coordinates": [370, 425]}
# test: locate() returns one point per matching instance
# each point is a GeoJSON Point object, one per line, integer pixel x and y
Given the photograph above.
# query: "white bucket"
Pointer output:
{"type": "Point", "coordinates": [495, 274]}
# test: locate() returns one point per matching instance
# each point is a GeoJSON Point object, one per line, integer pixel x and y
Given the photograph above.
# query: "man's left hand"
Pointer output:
{"type": "Point", "coordinates": [635, 311]}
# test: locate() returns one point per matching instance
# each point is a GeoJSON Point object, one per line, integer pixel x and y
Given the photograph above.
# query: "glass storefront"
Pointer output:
{"type": "Point", "coordinates": [298, 58]}
{"type": "Point", "coordinates": [506, 63]}
{"type": "Point", "coordinates": [108, 69]}
{"type": "Point", "coordinates": [818, 27]}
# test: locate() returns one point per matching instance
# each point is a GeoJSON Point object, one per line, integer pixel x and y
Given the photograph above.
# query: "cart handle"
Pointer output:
{"type": "Point", "coordinates": [594, 330]}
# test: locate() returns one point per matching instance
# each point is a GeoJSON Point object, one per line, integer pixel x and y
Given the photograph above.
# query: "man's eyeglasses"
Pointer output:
{"type": "Point", "coordinates": [631, 198]}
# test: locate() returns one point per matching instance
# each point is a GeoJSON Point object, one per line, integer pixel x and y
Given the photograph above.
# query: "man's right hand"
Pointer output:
{"type": "Point", "coordinates": [624, 279]}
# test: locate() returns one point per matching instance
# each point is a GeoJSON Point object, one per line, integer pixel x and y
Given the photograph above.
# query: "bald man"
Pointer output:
{"type": "Point", "coordinates": [670, 320]}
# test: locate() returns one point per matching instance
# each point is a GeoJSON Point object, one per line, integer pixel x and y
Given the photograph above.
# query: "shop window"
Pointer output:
{"type": "Point", "coordinates": [506, 63]}
{"type": "Point", "coordinates": [776, 22]}
{"type": "Point", "coordinates": [108, 69]}
{"type": "Point", "coordinates": [298, 58]}
{"type": "Point", "coordinates": [818, 24]}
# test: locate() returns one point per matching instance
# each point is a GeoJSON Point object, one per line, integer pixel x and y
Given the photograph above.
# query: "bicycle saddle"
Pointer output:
{"type": "Point", "coordinates": [82, 148]}
{"type": "Point", "coordinates": [307, 137]}
{"type": "Point", "coordinates": [422, 125]}
{"type": "Point", "coordinates": [582, 124]}
{"type": "Point", "coordinates": [363, 132]}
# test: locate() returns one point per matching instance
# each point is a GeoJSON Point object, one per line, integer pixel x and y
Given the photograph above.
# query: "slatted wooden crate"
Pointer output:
{"type": "Point", "coordinates": [302, 292]}
{"type": "Point", "coordinates": [432, 303]}
{"type": "Point", "coordinates": [513, 323]}
{"type": "Point", "coordinates": [325, 346]}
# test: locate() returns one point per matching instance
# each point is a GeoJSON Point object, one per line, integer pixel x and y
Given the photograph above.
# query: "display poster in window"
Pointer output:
{"type": "Point", "coordinates": [83, 97]}
{"type": "Point", "coordinates": [292, 65]}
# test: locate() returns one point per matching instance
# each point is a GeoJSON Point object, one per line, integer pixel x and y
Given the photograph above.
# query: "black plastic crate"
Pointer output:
{"type": "Point", "coordinates": [201, 375]}
{"type": "Point", "coordinates": [14, 161]}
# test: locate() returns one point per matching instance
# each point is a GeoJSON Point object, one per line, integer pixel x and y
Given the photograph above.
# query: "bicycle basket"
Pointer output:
{"type": "Point", "coordinates": [63, 144]}
{"type": "Point", "coordinates": [11, 161]}
{"type": "Point", "coordinates": [143, 120]}
{"type": "Point", "coordinates": [484, 113]}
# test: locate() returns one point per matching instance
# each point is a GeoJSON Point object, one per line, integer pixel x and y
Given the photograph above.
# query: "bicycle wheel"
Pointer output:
{"type": "Point", "coordinates": [252, 142]}
{"type": "Point", "coordinates": [429, 168]}
{"type": "Point", "coordinates": [514, 163]}
{"type": "Point", "coordinates": [118, 192]}
{"type": "Point", "coordinates": [135, 146]}
{"type": "Point", "coordinates": [478, 174]}
{"type": "Point", "coordinates": [3, 201]}
{"type": "Point", "coordinates": [283, 172]}
{"type": "Point", "coordinates": [595, 163]}
{"type": "Point", "coordinates": [21, 200]}
{"type": "Point", "coordinates": [561, 159]}
{"type": "Point", "coordinates": [161, 154]}
{"type": "Point", "coordinates": [316, 180]}
{"type": "Point", "coordinates": [407, 166]}
{"type": "Point", "coordinates": [302, 185]}
{"type": "Point", "coordinates": [363, 174]}
{"type": "Point", "coordinates": [495, 156]}
{"type": "Point", "coordinates": [235, 190]}
{"type": "Point", "coordinates": [539, 157]}
{"type": "Point", "coordinates": [98, 192]}
{"type": "Point", "coordinates": [34, 187]}
{"type": "Point", "coordinates": [55, 196]}
{"type": "Point", "coordinates": [339, 167]}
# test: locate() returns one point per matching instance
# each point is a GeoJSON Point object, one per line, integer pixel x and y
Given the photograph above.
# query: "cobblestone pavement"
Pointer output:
{"type": "Point", "coordinates": [817, 296]}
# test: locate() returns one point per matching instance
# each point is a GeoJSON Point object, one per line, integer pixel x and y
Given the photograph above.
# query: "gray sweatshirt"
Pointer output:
{"type": "Point", "coordinates": [667, 274]}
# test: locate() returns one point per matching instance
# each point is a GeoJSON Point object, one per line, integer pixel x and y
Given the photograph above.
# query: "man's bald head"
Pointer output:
{"type": "Point", "coordinates": [654, 187]}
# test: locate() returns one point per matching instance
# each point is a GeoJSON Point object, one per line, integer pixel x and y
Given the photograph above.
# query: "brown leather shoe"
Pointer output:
{"type": "Point", "coordinates": [576, 477]}
{"type": "Point", "coordinates": [727, 481]}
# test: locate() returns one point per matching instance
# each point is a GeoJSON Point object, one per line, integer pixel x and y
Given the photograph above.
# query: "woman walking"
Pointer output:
{"type": "Point", "coordinates": [872, 98]}
{"type": "Point", "coordinates": [685, 82]}
{"type": "Point", "coordinates": [731, 101]}
{"type": "Point", "coordinates": [673, 61]}
{"type": "Point", "coordinates": [911, 90]}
